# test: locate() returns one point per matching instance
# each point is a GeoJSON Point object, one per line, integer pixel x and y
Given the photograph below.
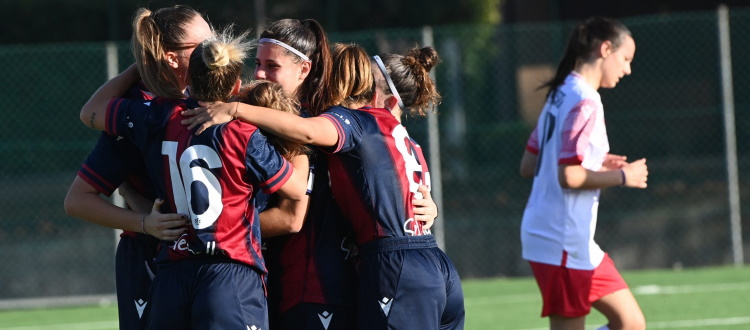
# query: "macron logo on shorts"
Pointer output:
{"type": "Point", "coordinates": [385, 305]}
{"type": "Point", "coordinates": [252, 327]}
{"type": "Point", "coordinates": [325, 318]}
{"type": "Point", "coordinates": [140, 305]}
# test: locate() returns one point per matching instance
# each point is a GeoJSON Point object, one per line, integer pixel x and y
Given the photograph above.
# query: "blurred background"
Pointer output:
{"type": "Point", "coordinates": [684, 108]}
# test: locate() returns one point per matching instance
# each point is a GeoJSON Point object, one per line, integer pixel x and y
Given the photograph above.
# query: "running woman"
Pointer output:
{"type": "Point", "coordinates": [405, 280]}
{"type": "Point", "coordinates": [212, 277]}
{"type": "Point", "coordinates": [568, 157]}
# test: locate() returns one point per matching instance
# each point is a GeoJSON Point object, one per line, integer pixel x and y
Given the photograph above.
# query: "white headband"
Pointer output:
{"type": "Point", "coordinates": [389, 81]}
{"type": "Point", "coordinates": [289, 48]}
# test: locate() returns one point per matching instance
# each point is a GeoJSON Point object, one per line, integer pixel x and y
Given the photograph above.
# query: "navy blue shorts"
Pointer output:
{"type": "Point", "coordinates": [408, 283]}
{"type": "Point", "coordinates": [208, 293]}
{"type": "Point", "coordinates": [134, 272]}
{"type": "Point", "coordinates": [312, 316]}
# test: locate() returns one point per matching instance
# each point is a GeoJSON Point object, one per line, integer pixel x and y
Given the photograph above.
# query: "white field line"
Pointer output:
{"type": "Point", "coordinates": [695, 288]}
{"type": "Point", "coordinates": [681, 324]}
{"type": "Point", "coordinates": [638, 291]}
{"type": "Point", "coordinates": [71, 326]}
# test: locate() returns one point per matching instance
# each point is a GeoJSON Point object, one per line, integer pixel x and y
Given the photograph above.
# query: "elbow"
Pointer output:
{"type": "Point", "coordinates": [82, 116]}
{"type": "Point", "coordinates": [87, 117]}
{"type": "Point", "coordinates": [564, 180]}
{"type": "Point", "coordinates": [570, 179]}
{"type": "Point", "coordinates": [70, 206]}
{"type": "Point", "coordinates": [296, 226]}
{"type": "Point", "coordinates": [299, 214]}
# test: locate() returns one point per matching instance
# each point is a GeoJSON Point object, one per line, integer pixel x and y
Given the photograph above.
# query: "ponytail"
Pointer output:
{"type": "Point", "coordinates": [318, 86]}
{"type": "Point", "coordinates": [582, 45]}
{"type": "Point", "coordinates": [154, 34]}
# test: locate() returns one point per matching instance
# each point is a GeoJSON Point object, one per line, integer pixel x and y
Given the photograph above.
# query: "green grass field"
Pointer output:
{"type": "Point", "coordinates": [705, 298]}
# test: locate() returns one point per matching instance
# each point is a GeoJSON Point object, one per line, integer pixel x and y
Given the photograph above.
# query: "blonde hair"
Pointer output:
{"type": "Point", "coordinates": [154, 34]}
{"type": "Point", "coordinates": [216, 65]}
{"type": "Point", "coordinates": [264, 93]}
{"type": "Point", "coordinates": [351, 78]}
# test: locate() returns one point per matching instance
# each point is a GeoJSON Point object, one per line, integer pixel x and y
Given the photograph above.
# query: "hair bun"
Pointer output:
{"type": "Point", "coordinates": [216, 55]}
{"type": "Point", "coordinates": [425, 57]}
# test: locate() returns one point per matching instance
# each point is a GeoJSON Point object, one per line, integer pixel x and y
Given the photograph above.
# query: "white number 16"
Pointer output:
{"type": "Point", "coordinates": [197, 191]}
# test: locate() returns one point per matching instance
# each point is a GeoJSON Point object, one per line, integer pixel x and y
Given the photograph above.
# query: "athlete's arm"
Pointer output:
{"type": "Point", "coordinates": [613, 162]}
{"type": "Point", "coordinates": [632, 175]}
{"type": "Point", "coordinates": [528, 164]}
{"type": "Point", "coordinates": [317, 131]}
{"type": "Point", "coordinates": [83, 202]}
{"type": "Point", "coordinates": [93, 112]}
{"type": "Point", "coordinates": [135, 201]}
{"type": "Point", "coordinates": [289, 215]}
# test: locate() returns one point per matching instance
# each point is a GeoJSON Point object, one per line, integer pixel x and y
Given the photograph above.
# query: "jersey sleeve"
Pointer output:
{"type": "Point", "coordinates": [532, 145]}
{"type": "Point", "coordinates": [110, 163]}
{"type": "Point", "coordinates": [136, 120]}
{"type": "Point", "coordinates": [576, 132]}
{"type": "Point", "coordinates": [265, 165]}
{"type": "Point", "coordinates": [347, 125]}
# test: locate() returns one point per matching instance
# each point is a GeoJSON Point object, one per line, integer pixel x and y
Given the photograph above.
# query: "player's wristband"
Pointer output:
{"type": "Point", "coordinates": [622, 173]}
{"type": "Point", "coordinates": [143, 224]}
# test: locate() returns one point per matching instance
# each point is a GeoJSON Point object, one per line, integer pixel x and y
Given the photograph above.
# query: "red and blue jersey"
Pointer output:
{"type": "Point", "coordinates": [212, 177]}
{"type": "Point", "coordinates": [115, 160]}
{"type": "Point", "coordinates": [313, 265]}
{"type": "Point", "coordinates": [376, 169]}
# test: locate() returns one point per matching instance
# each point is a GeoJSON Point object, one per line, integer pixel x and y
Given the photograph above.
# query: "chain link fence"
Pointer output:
{"type": "Point", "coordinates": [668, 111]}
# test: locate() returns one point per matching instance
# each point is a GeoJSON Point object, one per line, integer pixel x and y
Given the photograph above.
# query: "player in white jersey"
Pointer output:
{"type": "Point", "coordinates": [568, 157]}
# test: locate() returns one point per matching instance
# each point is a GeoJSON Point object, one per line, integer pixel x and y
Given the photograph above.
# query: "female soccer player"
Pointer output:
{"type": "Point", "coordinates": [162, 41]}
{"type": "Point", "coordinates": [405, 280]}
{"type": "Point", "coordinates": [568, 157]}
{"type": "Point", "coordinates": [212, 276]}
{"type": "Point", "coordinates": [311, 277]}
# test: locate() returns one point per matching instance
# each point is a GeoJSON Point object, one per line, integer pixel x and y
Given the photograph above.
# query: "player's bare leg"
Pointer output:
{"type": "Point", "coordinates": [621, 310]}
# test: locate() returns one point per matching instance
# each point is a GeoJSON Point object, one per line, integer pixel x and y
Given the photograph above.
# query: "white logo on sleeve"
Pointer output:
{"type": "Point", "coordinates": [325, 318]}
{"type": "Point", "coordinates": [140, 305]}
{"type": "Point", "coordinates": [385, 305]}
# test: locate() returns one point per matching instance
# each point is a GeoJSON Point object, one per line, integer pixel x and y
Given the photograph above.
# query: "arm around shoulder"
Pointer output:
{"type": "Point", "coordinates": [93, 112]}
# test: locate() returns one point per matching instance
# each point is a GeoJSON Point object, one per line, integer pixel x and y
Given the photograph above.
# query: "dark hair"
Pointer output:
{"type": "Point", "coordinates": [154, 34]}
{"type": "Point", "coordinates": [352, 78]}
{"type": "Point", "coordinates": [308, 37]}
{"type": "Point", "coordinates": [216, 64]}
{"type": "Point", "coordinates": [264, 93]}
{"type": "Point", "coordinates": [411, 77]}
{"type": "Point", "coordinates": [583, 43]}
